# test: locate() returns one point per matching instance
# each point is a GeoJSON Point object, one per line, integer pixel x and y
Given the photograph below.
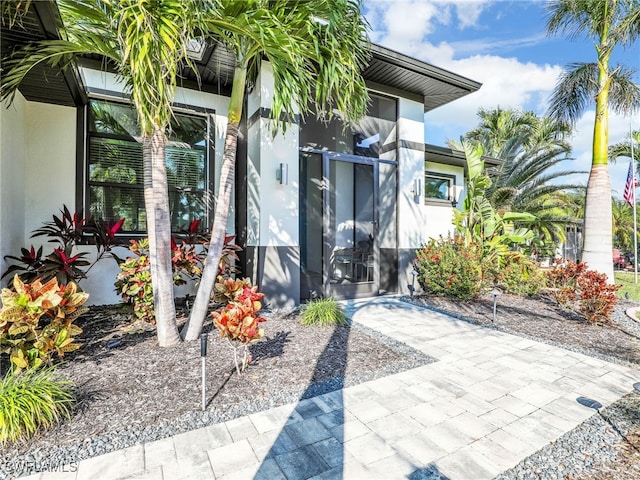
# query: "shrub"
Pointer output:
{"type": "Point", "coordinates": [239, 323]}
{"type": "Point", "coordinates": [133, 283]}
{"type": "Point", "coordinates": [597, 297]}
{"type": "Point", "coordinates": [563, 282]}
{"type": "Point", "coordinates": [451, 267]}
{"type": "Point", "coordinates": [575, 287]}
{"type": "Point", "coordinates": [63, 263]}
{"type": "Point", "coordinates": [32, 400]}
{"type": "Point", "coordinates": [324, 312]}
{"type": "Point", "coordinates": [520, 275]}
{"type": "Point", "coordinates": [36, 321]}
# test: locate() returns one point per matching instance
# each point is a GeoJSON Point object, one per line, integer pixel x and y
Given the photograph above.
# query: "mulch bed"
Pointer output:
{"type": "Point", "coordinates": [539, 317]}
{"type": "Point", "coordinates": [125, 380]}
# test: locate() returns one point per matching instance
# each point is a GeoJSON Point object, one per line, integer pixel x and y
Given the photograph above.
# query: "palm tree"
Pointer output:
{"type": "Point", "coordinates": [623, 149]}
{"type": "Point", "coordinates": [622, 225]}
{"type": "Point", "coordinates": [528, 146]}
{"type": "Point", "coordinates": [317, 50]}
{"type": "Point", "coordinates": [145, 42]}
{"type": "Point", "coordinates": [608, 23]}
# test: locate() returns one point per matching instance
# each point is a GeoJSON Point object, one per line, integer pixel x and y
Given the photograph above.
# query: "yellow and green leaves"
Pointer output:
{"type": "Point", "coordinates": [36, 321]}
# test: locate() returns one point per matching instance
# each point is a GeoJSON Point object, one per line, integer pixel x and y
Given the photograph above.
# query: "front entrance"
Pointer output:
{"type": "Point", "coordinates": [338, 225]}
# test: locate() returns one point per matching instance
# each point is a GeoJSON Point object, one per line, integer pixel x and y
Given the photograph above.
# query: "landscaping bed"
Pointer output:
{"type": "Point", "coordinates": [130, 391]}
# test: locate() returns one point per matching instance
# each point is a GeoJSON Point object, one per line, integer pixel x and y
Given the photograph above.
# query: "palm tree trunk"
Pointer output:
{"type": "Point", "coordinates": [598, 243]}
{"type": "Point", "coordinates": [156, 198]}
{"type": "Point", "coordinates": [193, 327]}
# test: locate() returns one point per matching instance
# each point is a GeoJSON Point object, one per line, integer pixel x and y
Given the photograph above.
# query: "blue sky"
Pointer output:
{"type": "Point", "coordinates": [503, 45]}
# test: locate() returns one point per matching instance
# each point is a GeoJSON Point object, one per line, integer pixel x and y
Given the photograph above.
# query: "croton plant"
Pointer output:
{"type": "Point", "coordinates": [36, 321]}
{"type": "Point", "coordinates": [239, 322]}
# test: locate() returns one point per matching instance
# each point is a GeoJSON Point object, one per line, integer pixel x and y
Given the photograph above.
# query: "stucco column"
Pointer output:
{"type": "Point", "coordinates": [272, 204]}
{"type": "Point", "coordinates": [411, 209]}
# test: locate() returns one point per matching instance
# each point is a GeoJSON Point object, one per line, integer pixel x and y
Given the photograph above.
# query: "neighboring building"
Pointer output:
{"type": "Point", "coordinates": [320, 210]}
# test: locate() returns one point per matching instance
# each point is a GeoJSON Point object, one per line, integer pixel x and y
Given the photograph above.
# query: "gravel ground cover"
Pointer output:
{"type": "Point", "coordinates": [132, 391]}
{"type": "Point", "coordinates": [607, 445]}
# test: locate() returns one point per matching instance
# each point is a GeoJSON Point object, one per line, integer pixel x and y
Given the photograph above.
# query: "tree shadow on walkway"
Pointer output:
{"type": "Point", "coordinates": [310, 443]}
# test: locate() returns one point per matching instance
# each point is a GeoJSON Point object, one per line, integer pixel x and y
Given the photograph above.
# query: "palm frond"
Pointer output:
{"type": "Point", "coordinates": [575, 90]}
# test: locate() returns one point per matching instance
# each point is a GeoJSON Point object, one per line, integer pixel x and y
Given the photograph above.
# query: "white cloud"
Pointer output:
{"type": "Point", "coordinates": [506, 83]}
{"type": "Point", "coordinates": [469, 11]}
{"type": "Point", "coordinates": [391, 28]}
{"type": "Point", "coordinates": [404, 24]}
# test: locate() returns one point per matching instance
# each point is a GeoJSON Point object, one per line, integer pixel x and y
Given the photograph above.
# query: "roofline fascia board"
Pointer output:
{"type": "Point", "coordinates": [454, 157]}
{"type": "Point", "coordinates": [423, 68]}
{"type": "Point", "coordinates": [395, 92]}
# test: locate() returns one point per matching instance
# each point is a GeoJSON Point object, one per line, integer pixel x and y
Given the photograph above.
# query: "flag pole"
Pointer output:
{"type": "Point", "coordinates": [635, 216]}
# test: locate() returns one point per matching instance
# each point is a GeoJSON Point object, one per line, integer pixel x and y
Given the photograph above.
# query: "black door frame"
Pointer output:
{"type": "Point", "coordinates": [354, 290]}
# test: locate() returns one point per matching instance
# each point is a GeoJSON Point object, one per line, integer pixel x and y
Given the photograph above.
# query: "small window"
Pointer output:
{"type": "Point", "coordinates": [438, 186]}
{"type": "Point", "coordinates": [114, 174]}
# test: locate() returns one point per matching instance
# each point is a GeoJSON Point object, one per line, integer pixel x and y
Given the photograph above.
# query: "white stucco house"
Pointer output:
{"type": "Point", "coordinates": [319, 211]}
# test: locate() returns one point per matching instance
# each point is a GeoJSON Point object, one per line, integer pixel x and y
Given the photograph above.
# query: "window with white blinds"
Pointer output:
{"type": "Point", "coordinates": [114, 168]}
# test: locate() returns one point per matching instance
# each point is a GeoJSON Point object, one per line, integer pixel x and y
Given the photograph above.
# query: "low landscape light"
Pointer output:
{"type": "Point", "coordinates": [203, 354]}
{"type": "Point", "coordinates": [495, 292]}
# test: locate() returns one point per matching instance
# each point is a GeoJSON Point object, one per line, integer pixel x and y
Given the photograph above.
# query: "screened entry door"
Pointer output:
{"type": "Point", "coordinates": [338, 225]}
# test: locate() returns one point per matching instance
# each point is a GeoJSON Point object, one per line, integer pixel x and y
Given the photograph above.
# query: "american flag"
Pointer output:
{"type": "Point", "coordinates": [629, 190]}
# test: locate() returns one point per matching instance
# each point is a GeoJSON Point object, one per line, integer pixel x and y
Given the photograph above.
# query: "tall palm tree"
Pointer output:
{"type": "Point", "coordinates": [609, 24]}
{"type": "Point", "coordinates": [317, 50]}
{"type": "Point", "coordinates": [528, 146]}
{"type": "Point", "coordinates": [145, 42]}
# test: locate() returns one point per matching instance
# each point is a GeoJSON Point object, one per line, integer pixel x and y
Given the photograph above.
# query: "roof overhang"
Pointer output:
{"type": "Point", "coordinates": [435, 86]}
{"type": "Point", "coordinates": [392, 70]}
{"type": "Point", "coordinates": [43, 84]}
{"type": "Point", "coordinates": [447, 156]}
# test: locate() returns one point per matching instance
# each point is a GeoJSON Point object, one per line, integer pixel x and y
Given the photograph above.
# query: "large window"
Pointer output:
{"type": "Point", "coordinates": [114, 175]}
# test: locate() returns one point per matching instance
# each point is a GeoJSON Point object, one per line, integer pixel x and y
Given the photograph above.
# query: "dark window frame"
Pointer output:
{"type": "Point", "coordinates": [83, 160]}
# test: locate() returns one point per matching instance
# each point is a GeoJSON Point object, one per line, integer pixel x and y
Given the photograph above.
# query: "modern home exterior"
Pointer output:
{"type": "Point", "coordinates": [320, 210]}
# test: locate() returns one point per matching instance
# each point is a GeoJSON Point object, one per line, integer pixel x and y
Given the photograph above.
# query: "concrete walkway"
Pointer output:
{"type": "Point", "coordinates": [489, 401]}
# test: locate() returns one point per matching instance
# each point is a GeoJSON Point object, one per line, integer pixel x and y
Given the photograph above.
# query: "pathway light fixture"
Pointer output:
{"type": "Point", "coordinates": [495, 292]}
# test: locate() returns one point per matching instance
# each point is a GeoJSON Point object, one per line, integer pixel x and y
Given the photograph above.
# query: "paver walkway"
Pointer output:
{"type": "Point", "coordinates": [489, 401]}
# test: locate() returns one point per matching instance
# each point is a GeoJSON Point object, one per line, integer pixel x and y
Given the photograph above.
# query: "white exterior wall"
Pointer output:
{"type": "Point", "coordinates": [272, 207]}
{"type": "Point", "coordinates": [38, 173]}
{"type": "Point", "coordinates": [411, 211]}
{"type": "Point", "coordinates": [50, 167]}
{"type": "Point", "coordinates": [277, 204]}
{"type": "Point", "coordinates": [12, 179]}
{"type": "Point", "coordinates": [440, 216]}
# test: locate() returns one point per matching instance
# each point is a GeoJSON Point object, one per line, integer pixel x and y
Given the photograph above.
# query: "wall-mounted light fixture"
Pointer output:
{"type": "Point", "coordinates": [416, 189]}
{"type": "Point", "coordinates": [454, 203]}
{"type": "Point", "coordinates": [282, 174]}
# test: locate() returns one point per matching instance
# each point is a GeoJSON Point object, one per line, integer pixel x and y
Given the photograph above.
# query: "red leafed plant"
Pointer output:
{"type": "Point", "coordinates": [575, 287]}
{"type": "Point", "coordinates": [239, 322]}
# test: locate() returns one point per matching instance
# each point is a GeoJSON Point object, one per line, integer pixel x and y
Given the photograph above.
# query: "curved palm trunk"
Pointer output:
{"type": "Point", "coordinates": [156, 199]}
{"type": "Point", "coordinates": [598, 242]}
{"type": "Point", "coordinates": [193, 327]}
